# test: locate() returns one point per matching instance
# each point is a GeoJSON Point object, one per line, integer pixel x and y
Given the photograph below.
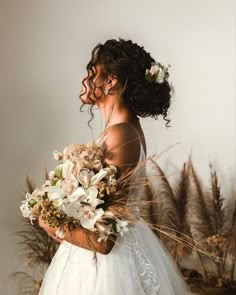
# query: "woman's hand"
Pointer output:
{"type": "Point", "coordinates": [51, 231]}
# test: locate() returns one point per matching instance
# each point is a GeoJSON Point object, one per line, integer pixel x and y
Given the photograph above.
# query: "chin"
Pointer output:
{"type": "Point", "coordinates": [85, 100]}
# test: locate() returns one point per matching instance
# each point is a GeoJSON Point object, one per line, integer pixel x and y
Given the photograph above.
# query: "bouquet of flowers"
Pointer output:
{"type": "Point", "coordinates": [78, 191]}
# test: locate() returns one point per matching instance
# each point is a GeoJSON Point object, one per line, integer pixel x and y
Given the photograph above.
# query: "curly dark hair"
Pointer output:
{"type": "Point", "coordinates": [128, 62]}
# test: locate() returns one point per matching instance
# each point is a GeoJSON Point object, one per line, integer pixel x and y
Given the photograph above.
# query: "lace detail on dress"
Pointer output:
{"type": "Point", "coordinates": [147, 272]}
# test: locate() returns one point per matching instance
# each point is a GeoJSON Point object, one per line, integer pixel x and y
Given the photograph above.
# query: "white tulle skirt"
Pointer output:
{"type": "Point", "coordinates": [137, 264]}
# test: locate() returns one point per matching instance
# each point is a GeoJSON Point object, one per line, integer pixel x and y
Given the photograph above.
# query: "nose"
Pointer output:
{"type": "Point", "coordinates": [82, 79]}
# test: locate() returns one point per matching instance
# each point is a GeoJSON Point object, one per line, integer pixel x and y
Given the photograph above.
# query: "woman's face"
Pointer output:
{"type": "Point", "coordinates": [92, 89]}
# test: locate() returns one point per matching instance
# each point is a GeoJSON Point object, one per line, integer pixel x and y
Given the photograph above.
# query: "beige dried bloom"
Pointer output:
{"type": "Point", "coordinates": [72, 152]}
{"type": "Point", "coordinates": [110, 189]}
{"type": "Point", "coordinates": [84, 156]}
{"type": "Point", "coordinates": [49, 213]}
{"type": "Point", "coordinates": [36, 210]}
{"type": "Point", "coordinates": [101, 185]}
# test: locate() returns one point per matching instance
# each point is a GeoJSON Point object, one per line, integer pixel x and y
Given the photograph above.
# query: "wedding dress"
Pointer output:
{"type": "Point", "coordinates": [138, 264]}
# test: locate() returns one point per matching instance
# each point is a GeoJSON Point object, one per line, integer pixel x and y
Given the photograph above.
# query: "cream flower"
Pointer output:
{"type": "Point", "coordinates": [47, 183]}
{"type": "Point", "coordinates": [67, 169]}
{"type": "Point", "coordinates": [87, 177]}
{"type": "Point", "coordinates": [72, 209]}
{"type": "Point", "coordinates": [37, 194]}
{"type": "Point", "coordinates": [54, 193]}
{"type": "Point", "coordinates": [121, 226]}
{"type": "Point", "coordinates": [51, 175]}
{"type": "Point", "coordinates": [81, 198]}
{"type": "Point", "coordinates": [154, 69]}
{"type": "Point", "coordinates": [26, 207]}
{"type": "Point", "coordinates": [104, 231]}
{"type": "Point", "coordinates": [75, 195]}
{"type": "Point", "coordinates": [67, 185]}
{"type": "Point", "coordinates": [111, 170]}
{"type": "Point", "coordinates": [60, 233]}
{"type": "Point", "coordinates": [57, 155]}
{"type": "Point", "coordinates": [88, 216]}
{"type": "Point", "coordinates": [84, 177]}
{"type": "Point", "coordinates": [99, 176]}
{"type": "Point", "coordinates": [91, 197]}
{"type": "Point", "coordinates": [112, 181]}
{"type": "Point", "coordinates": [157, 73]}
{"type": "Point", "coordinates": [161, 75]}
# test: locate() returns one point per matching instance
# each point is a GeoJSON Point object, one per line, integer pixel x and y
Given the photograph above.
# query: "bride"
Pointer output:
{"type": "Point", "coordinates": [125, 83]}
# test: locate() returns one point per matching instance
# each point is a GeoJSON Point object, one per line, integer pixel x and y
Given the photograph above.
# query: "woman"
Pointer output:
{"type": "Point", "coordinates": [122, 83]}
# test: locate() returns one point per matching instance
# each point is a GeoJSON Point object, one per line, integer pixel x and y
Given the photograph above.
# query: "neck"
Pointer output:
{"type": "Point", "coordinates": [113, 111]}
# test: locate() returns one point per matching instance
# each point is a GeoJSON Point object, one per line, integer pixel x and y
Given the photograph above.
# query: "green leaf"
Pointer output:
{"type": "Point", "coordinates": [55, 182]}
{"type": "Point", "coordinates": [58, 171]}
{"type": "Point", "coordinates": [32, 203]}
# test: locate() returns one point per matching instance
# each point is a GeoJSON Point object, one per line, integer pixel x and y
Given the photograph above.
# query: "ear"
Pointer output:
{"type": "Point", "coordinates": [112, 82]}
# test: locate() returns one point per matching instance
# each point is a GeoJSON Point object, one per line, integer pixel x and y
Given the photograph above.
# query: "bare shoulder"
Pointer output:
{"type": "Point", "coordinates": [121, 135]}
{"type": "Point", "coordinates": [122, 145]}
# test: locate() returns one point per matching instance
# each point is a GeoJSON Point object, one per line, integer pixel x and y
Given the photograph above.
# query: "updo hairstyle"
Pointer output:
{"type": "Point", "coordinates": [128, 61]}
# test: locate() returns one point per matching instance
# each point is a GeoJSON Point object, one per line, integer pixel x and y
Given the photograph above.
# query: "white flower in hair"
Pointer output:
{"type": "Point", "coordinates": [158, 73]}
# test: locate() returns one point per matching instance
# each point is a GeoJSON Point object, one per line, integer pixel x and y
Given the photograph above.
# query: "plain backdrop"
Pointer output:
{"type": "Point", "coordinates": [45, 46]}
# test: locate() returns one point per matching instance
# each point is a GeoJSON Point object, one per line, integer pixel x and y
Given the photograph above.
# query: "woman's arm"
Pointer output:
{"type": "Point", "coordinates": [122, 146]}
{"type": "Point", "coordinates": [81, 238]}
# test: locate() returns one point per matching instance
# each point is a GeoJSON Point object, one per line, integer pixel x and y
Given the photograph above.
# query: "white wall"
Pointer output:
{"type": "Point", "coordinates": [45, 47]}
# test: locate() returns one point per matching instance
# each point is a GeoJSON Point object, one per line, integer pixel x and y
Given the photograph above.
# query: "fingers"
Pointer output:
{"type": "Point", "coordinates": [50, 231]}
{"type": "Point", "coordinates": [40, 221]}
